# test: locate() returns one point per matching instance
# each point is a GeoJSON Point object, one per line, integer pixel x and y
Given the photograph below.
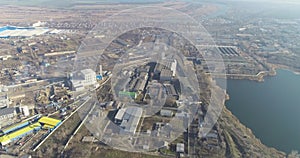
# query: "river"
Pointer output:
{"type": "Point", "coordinates": [271, 109]}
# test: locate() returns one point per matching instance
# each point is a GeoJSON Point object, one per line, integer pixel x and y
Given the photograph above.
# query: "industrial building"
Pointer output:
{"type": "Point", "coordinates": [173, 67]}
{"type": "Point", "coordinates": [25, 111]}
{"type": "Point", "coordinates": [155, 89]}
{"type": "Point", "coordinates": [139, 80]}
{"type": "Point", "coordinates": [80, 79]}
{"type": "Point", "coordinates": [144, 77]}
{"type": "Point", "coordinates": [15, 127]}
{"type": "Point", "coordinates": [139, 86]}
{"type": "Point", "coordinates": [128, 119]}
{"type": "Point", "coordinates": [166, 113]}
{"type": "Point", "coordinates": [7, 113]}
{"type": "Point", "coordinates": [17, 131]}
{"type": "Point", "coordinates": [59, 53]}
{"type": "Point", "coordinates": [171, 91]}
{"type": "Point", "coordinates": [6, 139]}
{"type": "Point", "coordinates": [4, 101]}
{"type": "Point", "coordinates": [166, 75]}
{"type": "Point", "coordinates": [180, 148]}
{"type": "Point", "coordinates": [167, 71]}
{"type": "Point", "coordinates": [119, 116]}
{"type": "Point", "coordinates": [49, 123]}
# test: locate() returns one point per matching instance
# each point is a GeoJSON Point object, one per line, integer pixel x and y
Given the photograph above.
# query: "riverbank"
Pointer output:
{"type": "Point", "coordinates": [241, 141]}
{"type": "Point", "coordinates": [260, 77]}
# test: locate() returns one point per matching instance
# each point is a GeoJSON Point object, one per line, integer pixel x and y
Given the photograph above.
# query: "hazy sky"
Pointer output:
{"type": "Point", "coordinates": [270, 1]}
{"type": "Point", "coordinates": [61, 3]}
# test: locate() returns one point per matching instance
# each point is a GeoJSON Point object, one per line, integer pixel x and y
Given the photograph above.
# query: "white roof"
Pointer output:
{"type": "Point", "coordinates": [87, 71]}
{"type": "Point", "coordinates": [179, 147]}
{"type": "Point", "coordinates": [166, 112]}
{"type": "Point", "coordinates": [131, 118]}
{"type": "Point", "coordinates": [120, 114]}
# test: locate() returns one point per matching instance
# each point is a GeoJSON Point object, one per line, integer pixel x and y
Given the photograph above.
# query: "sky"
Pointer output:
{"type": "Point", "coordinates": [68, 3]}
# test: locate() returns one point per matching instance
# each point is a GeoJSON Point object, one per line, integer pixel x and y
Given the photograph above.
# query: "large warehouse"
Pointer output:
{"type": "Point", "coordinates": [6, 139]}
{"type": "Point", "coordinates": [129, 119]}
{"type": "Point", "coordinates": [49, 123]}
{"type": "Point", "coordinates": [17, 131]}
{"type": "Point", "coordinates": [14, 127]}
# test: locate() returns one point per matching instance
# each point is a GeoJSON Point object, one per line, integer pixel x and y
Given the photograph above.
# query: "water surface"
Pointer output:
{"type": "Point", "coordinates": [270, 109]}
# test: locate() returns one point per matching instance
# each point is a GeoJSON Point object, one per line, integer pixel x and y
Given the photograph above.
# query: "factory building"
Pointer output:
{"type": "Point", "coordinates": [155, 89]}
{"type": "Point", "coordinates": [144, 78]}
{"type": "Point", "coordinates": [180, 148]}
{"type": "Point", "coordinates": [6, 139]}
{"type": "Point", "coordinates": [86, 77]}
{"type": "Point", "coordinates": [165, 72]}
{"type": "Point", "coordinates": [119, 116]}
{"type": "Point", "coordinates": [25, 111]}
{"type": "Point", "coordinates": [139, 83]}
{"type": "Point", "coordinates": [128, 119]}
{"type": "Point", "coordinates": [171, 91]}
{"type": "Point", "coordinates": [173, 67]}
{"type": "Point", "coordinates": [166, 113]}
{"type": "Point", "coordinates": [4, 102]}
{"type": "Point", "coordinates": [132, 84]}
{"type": "Point", "coordinates": [49, 123]}
{"type": "Point", "coordinates": [166, 75]}
{"type": "Point", "coordinates": [15, 127]}
{"type": "Point", "coordinates": [19, 130]}
{"type": "Point", "coordinates": [7, 113]}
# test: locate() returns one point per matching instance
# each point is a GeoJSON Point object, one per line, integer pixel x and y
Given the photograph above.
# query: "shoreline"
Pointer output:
{"type": "Point", "coordinates": [271, 73]}
{"type": "Point", "coordinates": [259, 77]}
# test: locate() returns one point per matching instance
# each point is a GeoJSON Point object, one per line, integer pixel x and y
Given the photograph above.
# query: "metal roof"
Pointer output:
{"type": "Point", "coordinates": [120, 114]}
{"type": "Point", "coordinates": [7, 111]}
{"type": "Point", "coordinates": [131, 119]}
{"type": "Point", "coordinates": [49, 121]}
{"type": "Point", "coordinates": [10, 137]}
{"type": "Point", "coordinates": [15, 127]}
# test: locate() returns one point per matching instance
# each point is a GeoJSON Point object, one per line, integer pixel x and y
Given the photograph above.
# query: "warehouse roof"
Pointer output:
{"type": "Point", "coordinates": [18, 133]}
{"type": "Point", "coordinates": [49, 121]}
{"type": "Point", "coordinates": [87, 71]}
{"type": "Point", "coordinates": [131, 119]}
{"type": "Point", "coordinates": [15, 126]}
{"type": "Point", "coordinates": [7, 111]}
{"type": "Point", "coordinates": [120, 114]}
{"type": "Point", "coordinates": [48, 126]}
{"type": "Point", "coordinates": [166, 73]}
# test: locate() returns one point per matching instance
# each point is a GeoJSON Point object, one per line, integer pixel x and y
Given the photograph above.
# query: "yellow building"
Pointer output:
{"type": "Point", "coordinates": [6, 139]}
{"type": "Point", "coordinates": [48, 122]}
